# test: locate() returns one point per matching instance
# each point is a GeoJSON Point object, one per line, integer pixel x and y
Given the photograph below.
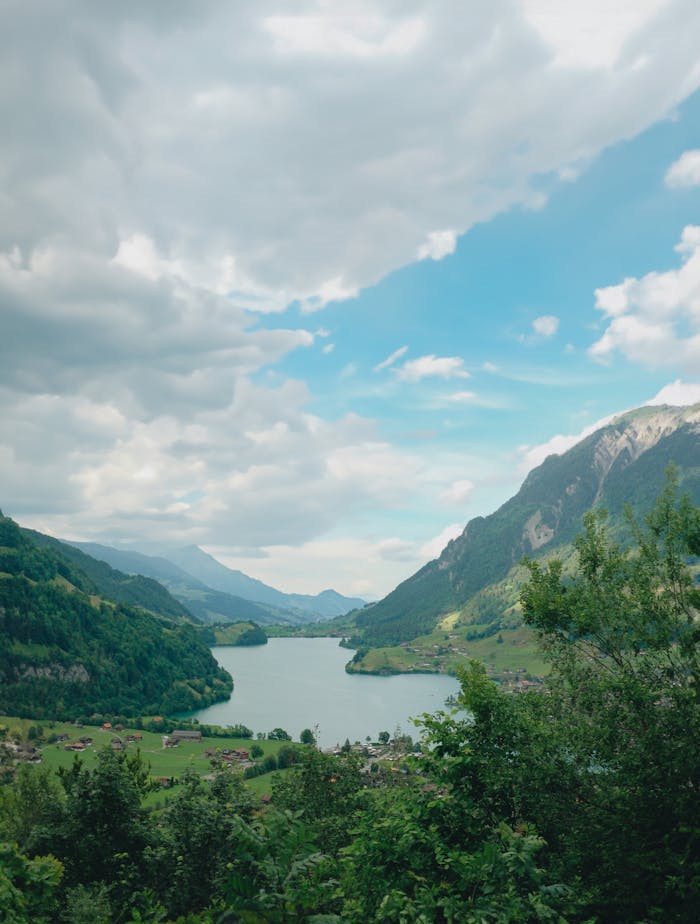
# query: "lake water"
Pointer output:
{"type": "Point", "coordinates": [297, 683]}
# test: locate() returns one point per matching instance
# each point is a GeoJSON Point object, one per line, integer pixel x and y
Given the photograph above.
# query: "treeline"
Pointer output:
{"type": "Point", "coordinates": [575, 804]}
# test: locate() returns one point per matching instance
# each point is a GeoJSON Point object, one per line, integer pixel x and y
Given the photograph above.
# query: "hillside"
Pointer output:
{"type": "Point", "coordinates": [475, 579]}
{"type": "Point", "coordinates": [66, 650]}
{"type": "Point", "coordinates": [211, 572]}
{"type": "Point", "coordinates": [133, 589]}
{"type": "Point", "coordinates": [215, 593]}
{"type": "Point", "coordinates": [206, 604]}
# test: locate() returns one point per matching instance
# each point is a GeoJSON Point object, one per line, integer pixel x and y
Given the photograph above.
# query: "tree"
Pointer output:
{"type": "Point", "coordinates": [383, 737]}
{"type": "Point", "coordinates": [27, 887]}
{"type": "Point", "coordinates": [307, 737]}
{"type": "Point", "coordinates": [278, 734]}
{"type": "Point", "coordinates": [623, 638]}
{"type": "Point", "coordinates": [98, 829]}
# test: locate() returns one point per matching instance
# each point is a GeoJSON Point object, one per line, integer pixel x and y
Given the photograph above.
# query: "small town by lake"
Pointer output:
{"type": "Point", "coordinates": [297, 683]}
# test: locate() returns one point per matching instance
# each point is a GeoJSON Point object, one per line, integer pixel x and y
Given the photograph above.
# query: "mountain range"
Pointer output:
{"type": "Point", "coordinates": [475, 581]}
{"type": "Point", "coordinates": [215, 593]}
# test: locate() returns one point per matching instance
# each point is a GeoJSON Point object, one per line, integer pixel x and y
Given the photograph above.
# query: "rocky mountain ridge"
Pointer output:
{"type": "Point", "coordinates": [624, 462]}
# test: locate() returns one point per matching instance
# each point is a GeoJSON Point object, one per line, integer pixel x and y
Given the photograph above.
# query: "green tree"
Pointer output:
{"type": "Point", "coordinates": [623, 638]}
{"type": "Point", "coordinates": [27, 887]}
{"type": "Point", "coordinates": [307, 737]}
{"type": "Point", "coordinates": [279, 734]}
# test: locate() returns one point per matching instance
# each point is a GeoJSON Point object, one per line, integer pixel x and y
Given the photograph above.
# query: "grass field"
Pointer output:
{"type": "Point", "coordinates": [442, 651]}
{"type": "Point", "coordinates": [164, 762]}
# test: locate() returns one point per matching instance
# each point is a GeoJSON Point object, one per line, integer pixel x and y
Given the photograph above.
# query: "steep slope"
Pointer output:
{"type": "Point", "coordinates": [65, 651]}
{"type": "Point", "coordinates": [208, 605]}
{"type": "Point", "coordinates": [622, 463]}
{"type": "Point", "coordinates": [133, 589]}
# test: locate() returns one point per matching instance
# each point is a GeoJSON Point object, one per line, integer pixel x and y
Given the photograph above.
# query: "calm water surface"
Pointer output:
{"type": "Point", "coordinates": [297, 683]}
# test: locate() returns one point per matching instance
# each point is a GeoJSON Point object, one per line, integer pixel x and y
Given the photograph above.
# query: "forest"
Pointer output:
{"type": "Point", "coordinates": [577, 802]}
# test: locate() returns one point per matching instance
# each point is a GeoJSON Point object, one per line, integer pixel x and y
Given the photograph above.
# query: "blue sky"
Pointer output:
{"type": "Point", "coordinates": [311, 285]}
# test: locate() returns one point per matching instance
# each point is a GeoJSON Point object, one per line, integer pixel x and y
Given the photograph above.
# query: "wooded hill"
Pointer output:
{"type": "Point", "coordinates": [67, 647]}
{"type": "Point", "coordinates": [478, 575]}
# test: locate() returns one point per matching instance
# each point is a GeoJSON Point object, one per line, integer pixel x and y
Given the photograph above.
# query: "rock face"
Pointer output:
{"type": "Point", "coordinates": [622, 463]}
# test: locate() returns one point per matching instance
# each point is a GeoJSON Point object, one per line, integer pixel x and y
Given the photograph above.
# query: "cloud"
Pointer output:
{"type": "Point", "coordinates": [438, 244]}
{"type": "Point", "coordinates": [546, 326]}
{"type": "Point", "coordinates": [685, 171]}
{"type": "Point", "coordinates": [458, 493]}
{"type": "Point", "coordinates": [391, 359]}
{"type": "Point", "coordinates": [655, 320]}
{"type": "Point", "coordinates": [443, 367]}
{"type": "Point", "coordinates": [434, 547]}
{"type": "Point", "coordinates": [216, 134]}
{"type": "Point", "coordinates": [328, 348]}
{"type": "Point", "coordinates": [677, 394]}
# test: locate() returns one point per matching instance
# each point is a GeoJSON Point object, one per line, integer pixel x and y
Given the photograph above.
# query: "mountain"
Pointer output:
{"type": "Point", "coordinates": [207, 569]}
{"type": "Point", "coordinates": [67, 650]}
{"type": "Point", "coordinates": [205, 604]}
{"type": "Point", "coordinates": [215, 593]}
{"type": "Point", "coordinates": [476, 576]}
{"type": "Point", "coordinates": [133, 589]}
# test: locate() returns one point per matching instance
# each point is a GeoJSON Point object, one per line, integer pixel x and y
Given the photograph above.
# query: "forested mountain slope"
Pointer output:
{"type": "Point", "coordinates": [66, 651]}
{"type": "Point", "coordinates": [133, 589]}
{"type": "Point", "coordinates": [622, 463]}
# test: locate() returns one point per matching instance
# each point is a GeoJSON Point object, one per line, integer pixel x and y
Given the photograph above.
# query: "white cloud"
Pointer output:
{"type": "Point", "coordinates": [328, 348]}
{"type": "Point", "coordinates": [461, 397]}
{"type": "Point", "coordinates": [677, 394]}
{"type": "Point", "coordinates": [589, 33]}
{"type": "Point", "coordinates": [361, 35]}
{"type": "Point", "coordinates": [685, 171]}
{"type": "Point", "coordinates": [438, 244]}
{"type": "Point", "coordinates": [655, 320]}
{"type": "Point", "coordinates": [458, 493]}
{"type": "Point", "coordinates": [434, 547]}
{"type": "Point", "coordinates": [217, 135]}
{"type": "Point", "coordinates": [391, 359]}
{"type": "Point", "coordinates": [443, 367]}
{"type": "Point", "coordinates": [546, 326]}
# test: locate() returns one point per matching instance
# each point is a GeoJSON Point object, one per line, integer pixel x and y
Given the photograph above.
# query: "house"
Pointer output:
{"type": "Point", "coordinates": [170, 742]}
{"type": "Point", "coordinates": [181, 734]}
{"type": "Point", "coordinates": [117, 744]}
{"type": "Point", "coordinates": [135, 737]}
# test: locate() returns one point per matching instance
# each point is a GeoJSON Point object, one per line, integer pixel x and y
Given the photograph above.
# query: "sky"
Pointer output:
{"type": "Point", "coordinates": [311, 284]}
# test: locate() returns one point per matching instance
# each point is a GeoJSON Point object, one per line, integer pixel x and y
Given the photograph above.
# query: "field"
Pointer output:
{"type": "Point", "coordinates": [164, 762]}
{"type": "Point", "coordinates": [514, 656]}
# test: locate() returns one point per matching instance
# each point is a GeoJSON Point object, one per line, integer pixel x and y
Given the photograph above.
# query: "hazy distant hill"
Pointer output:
{"type": "Point", "coordinates": [211, 572]}
{"type": "Point", "coordinates": [215, 593]}
{"type": "Point", "coordinates": [622, 463]}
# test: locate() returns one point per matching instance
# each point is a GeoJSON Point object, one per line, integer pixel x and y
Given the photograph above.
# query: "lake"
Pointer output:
{"type": "Point", "coordinates": [297, 683]}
